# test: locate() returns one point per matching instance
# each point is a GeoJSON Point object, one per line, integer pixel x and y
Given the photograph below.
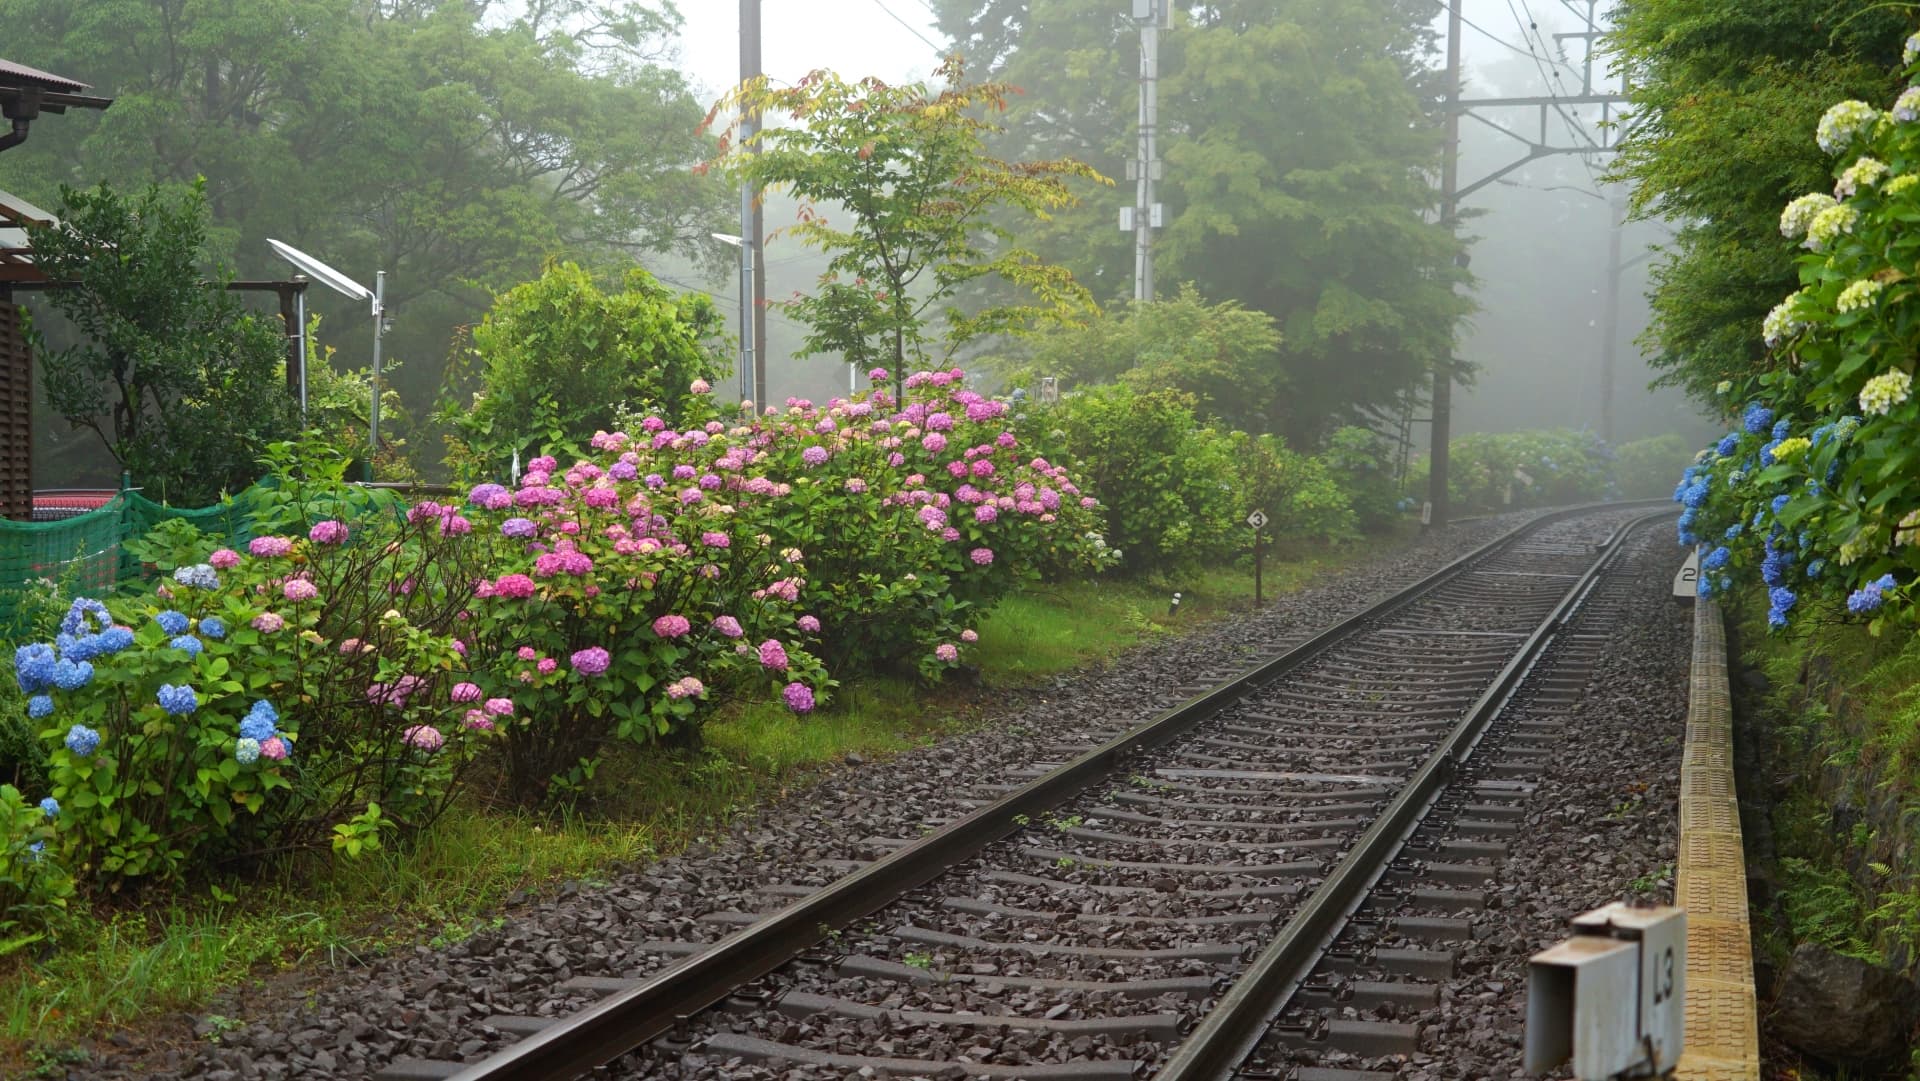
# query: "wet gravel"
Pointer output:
{"type": "Point", "coordinates": [424, 1002]}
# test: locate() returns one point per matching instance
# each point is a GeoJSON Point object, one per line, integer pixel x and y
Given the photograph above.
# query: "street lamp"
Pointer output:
{"type": "Point", "coordinates": [747, 343]}
{"type": "Point", "coordinates": [346, 287]}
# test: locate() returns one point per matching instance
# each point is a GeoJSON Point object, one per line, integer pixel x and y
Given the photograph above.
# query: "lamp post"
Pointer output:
{"type": "Point", "coordinates": [747, 343]}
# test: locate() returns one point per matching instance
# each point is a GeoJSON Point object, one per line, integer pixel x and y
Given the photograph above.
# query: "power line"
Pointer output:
{"type": "Point", "coordinates": [882, 4]}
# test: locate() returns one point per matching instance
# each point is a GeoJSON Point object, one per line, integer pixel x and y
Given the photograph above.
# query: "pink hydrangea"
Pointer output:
{"type": "Point", "coordinates": [330, 531]}
{"type": "Point", "coordinates": [270, 547]}
{"type": "Point", "coordinates": [547, 666]}
{"type": "Point", "coordinates": [500, 707]}
{"type": "Point", "coordinates": [814, 456]}
{"type": "Point", "coordinates": [224, 559]}
{"type": "Point", "coordinates": [878, 375]}
{"type": "Point", "coordinates": [350, 645]}
{"type": "Point", "coordinates": [715, 540]}
{"type": "Point", "coordinates": [686, 687]}
{"type": "Point", "coordinates": [268, 622]}
{"type": "Point", "coordinates": [478, 721]}
{"type": "Point", "coordinates": [526, 653]}
{"type": "Point", "coordinates": [466, 692]}
{"type": "Point", "coordinates": [592, 661]}
{"type": "Point", "coordinates": [969, 635]}
{"type": "Point", "coordinates": [773, 655]}
{"type": "Point", "coordinates": [934, 442]}
{"type": "Point", "coordinates": [700, 386]}
{"type": "Point", "coordinates": [518, 586]}
{"type": "Point", "coordinates": [856, 485]}
{"type": "Point", "coordinates": [808, 624]}
{"type": "Point", "coordinates": [299, 589]}
{"type": "Point", "coordinates": [728, 626]}
{"type": "Point", "coordinates": [986, 512]}
{"type": "Point", "coordinates": [424, 737]}
{"type": "Point", "coordinates": [981, 556]}
{"type": "Point", "coordinates": [799, 697]}
{"type": "Point", "coordinates": [947, 651]}
{"type": "Point", "coordinates": [274, 748]}
{"type": "Point", "coordinates": [671, 626]}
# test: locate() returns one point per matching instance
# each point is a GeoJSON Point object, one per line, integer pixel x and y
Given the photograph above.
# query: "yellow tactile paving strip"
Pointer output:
{"type": "Point", "coordinates": [1723, 1038]}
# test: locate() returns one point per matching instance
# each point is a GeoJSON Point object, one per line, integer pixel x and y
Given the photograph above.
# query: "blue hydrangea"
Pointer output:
{"type": "Point", "coordinates": [1734, 531]}
{"type": "Point", "coordinates": [84, 648]}
{"type": "Point", "coordinates": [1844, 428]}
{"type": "Point", "coordinates": [51, 807]}
{"type": "Point", "coordinates": [1776, 618]}
{"type": "Point", "coordinates": [199, 576]}
{"type": "Point", "coordinates": [264, 708]}
{"type": "Point", "coordinates": [1728, 444]}
{"type": "Point", "coordinates": [1726, 583]}
{"type": "Point", "coordinates": [246, 751]}
{"type": "Point", "coordinates": [1704, 587]}
{"type": "Point", "coordinates": [1695, 494]}
{"type": "Point", "coordinates": [1865, 599]}
{"type": "Point", "coordinates": [213, 627]}
{"type": "Point", "coordinates": [1782, 598]}
{"type": "Point", "coordinates": [1780, 503]}
{"type": "Point", "coordinates": [1782, 428]}
{"type": "Point", "coordinates": [39, 706]}
{"type": "Point", "coordinates": [1816, 568]}
{"type": "Point", "coordinates": [75, 621]}
{"type": "Point", "coordinates": [1766, 453]}
{"type": "Point", "coordinates": [255, 727]}
{"type": "Point", "coordinates": [1716, 558]}
{"type": "Point", "coordinates": [114, 639]}
{"type": "Point", "coordinates": [33, 666]}
{"type": "Point", "coordinates": [36, 848]}
{"type": "Point", "coordinates": [72, 675]}
{"type": "Point", "coordinates": [82, 740]}
{"type": "Point", "coordinates": [172, 622]}
{"type": "Point", "coordinates": [178, 701]}
{"type": "Point", "coordinates": [188, 643]}
{"type": "Point", "coordinates": [1773, 569]}
{"type": "Point", "coordinates": [1758, 418]}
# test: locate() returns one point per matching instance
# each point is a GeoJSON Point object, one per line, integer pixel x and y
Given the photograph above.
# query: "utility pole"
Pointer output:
{"type": "Point", "coordinates": [753, 266]}
{"type": "Point", "coordinates": [1449, 210]}
{"type": "Point", "coordinates": [1610, 330]}
{"type": "Point", "coordinates": [1146, 215]}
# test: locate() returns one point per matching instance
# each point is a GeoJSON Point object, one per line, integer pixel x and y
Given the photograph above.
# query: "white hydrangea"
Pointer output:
{"type": "Point", "coordinates": [1723, 386]}
{"type": "Point", "coordinates": [1843, 123]}
{"type": "Point", "coordinates": [1800, 214]}
{"type": "Point", "coordinates": [1884, 391]}
{"type": "Point", "coordinates": [1864, 173]}
{"type": "Point", "coordinates": [1780, 325]}
{"type": "Point", "coordinates": [1858, 295]}
{"type": "Point", "coordinates": [1912, 50]}
{"type": "Point", "coordinates": [1899, 184]}
{"type": "Point", "coordinates": [1829, 224]}
{"type": "Point", "coordinates": [1906, 107]}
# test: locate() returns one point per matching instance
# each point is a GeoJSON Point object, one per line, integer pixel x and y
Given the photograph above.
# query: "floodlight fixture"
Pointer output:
{"type": "Point", "coordinates": [345, 286]}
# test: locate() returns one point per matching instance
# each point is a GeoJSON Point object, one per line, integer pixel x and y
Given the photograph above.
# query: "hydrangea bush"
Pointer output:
{"type": "Point", "coordinates": [1816, 490]}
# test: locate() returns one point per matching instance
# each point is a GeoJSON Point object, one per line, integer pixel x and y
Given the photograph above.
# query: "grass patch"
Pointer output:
{"type": "Point", "coordinates": [127, 966]}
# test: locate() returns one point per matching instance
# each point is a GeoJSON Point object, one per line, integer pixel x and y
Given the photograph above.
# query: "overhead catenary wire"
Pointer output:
{"type": "Point", "coordinates": [891, 14]}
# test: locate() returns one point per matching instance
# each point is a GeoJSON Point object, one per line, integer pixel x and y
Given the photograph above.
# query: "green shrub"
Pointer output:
{"type": "Point", "coordinates": [1298, 493]}
{"type": "Point", "coordinates": [1165, 482]}
{"type": "Point", "coordinates": [1360, 461]}
{"type": "Point", "coordinates": [1509, 470]}
{"type": "Point", "coordinates": [1646, 468]}
{"type": "Point", "coordinates": [34, 886]}
{"type": "Point", "coordinates": [559, 356]}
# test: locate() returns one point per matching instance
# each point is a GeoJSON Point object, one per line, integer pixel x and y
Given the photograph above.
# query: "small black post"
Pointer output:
{"type": "Point", "coordinates": [1259, 600]}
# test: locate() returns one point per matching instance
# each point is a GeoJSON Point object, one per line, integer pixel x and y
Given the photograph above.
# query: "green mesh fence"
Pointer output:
{"type": "Point", "coordinates": [90, 545]}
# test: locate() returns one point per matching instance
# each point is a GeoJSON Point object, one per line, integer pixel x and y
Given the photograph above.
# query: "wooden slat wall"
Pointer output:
{"type": "Point", "coordinates": [16, 418]}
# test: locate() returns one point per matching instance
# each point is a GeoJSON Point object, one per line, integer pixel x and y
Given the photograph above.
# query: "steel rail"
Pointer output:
{"type": "Point", "coordinates": [1231, 1031]}
{"type": "Point", "coordinates": [630, 1018]}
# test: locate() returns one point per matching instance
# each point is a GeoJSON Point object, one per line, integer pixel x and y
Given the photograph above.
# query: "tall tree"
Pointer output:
{"type": "Point", "coordinates": [1298, 156]}
{"type": "Point", "coordinates": [454, 144]}
{"type": "Point", "coordinates": [183, 388]}
{"type": "Point", "coordinates": [908, 169]}
{"type": "Point", "coordinates": [1724, 95]}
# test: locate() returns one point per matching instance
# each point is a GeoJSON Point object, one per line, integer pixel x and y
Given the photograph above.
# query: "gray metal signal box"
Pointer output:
{"type": "Point", "coordinates": [1612, 998]}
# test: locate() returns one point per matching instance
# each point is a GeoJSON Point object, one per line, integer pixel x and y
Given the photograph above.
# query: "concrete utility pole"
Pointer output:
{"type": "Point", "coordinates": [753, 266]}
{"type": "Point", "coordinates": [1146, 215]}
{"type": "Point", "coordinates": [1449, 210]}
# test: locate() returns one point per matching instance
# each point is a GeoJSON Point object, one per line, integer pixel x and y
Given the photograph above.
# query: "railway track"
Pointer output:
{"type": "Point", "coordinates": [1155, 902]}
